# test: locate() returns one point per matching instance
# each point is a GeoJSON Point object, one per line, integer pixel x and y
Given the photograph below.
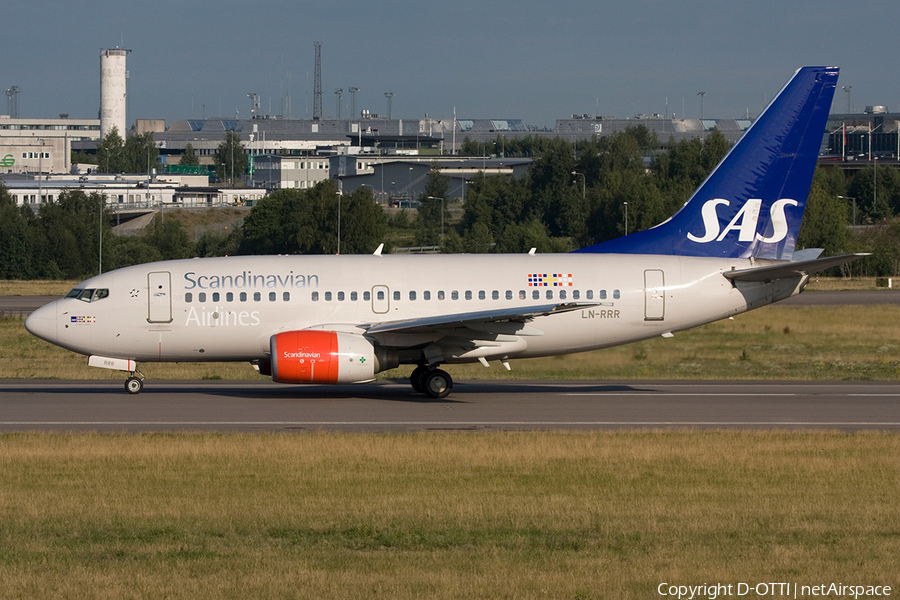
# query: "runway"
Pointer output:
{"type": "Point", "coordinates": [27, 405]}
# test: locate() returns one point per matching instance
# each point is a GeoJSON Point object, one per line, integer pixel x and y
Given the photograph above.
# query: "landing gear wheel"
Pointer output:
{"type": "Point", "coordinates": [417, 377]}
{"type": "Point", "coordinates": [437, 384]}
{"type": "Point", "coordinates": [134, 385]}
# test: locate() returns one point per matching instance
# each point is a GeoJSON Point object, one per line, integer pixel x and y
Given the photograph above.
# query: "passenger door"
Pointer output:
{"type": "Point", "coordinates": [159, 285]}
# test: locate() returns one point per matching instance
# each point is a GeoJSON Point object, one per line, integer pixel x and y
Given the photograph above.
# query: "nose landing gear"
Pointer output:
{"type": "Point", "coordinates": [135, 383]}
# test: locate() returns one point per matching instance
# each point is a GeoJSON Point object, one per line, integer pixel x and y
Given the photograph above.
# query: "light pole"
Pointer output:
{"type": "Point", "coordinates": [626, 217]}
{"type": "Point", "coordinates": [847, 89]}
{"type": "Point", "coordinates": [854, 206]}
{"type": "Point", "coordinates": [874, 181]}
{"type": "Point", "coordinates": [442, 213]}
{"type": "Point", "coordinates": [100, 202]}
{"type": "Point", "coordinates": [701, 94]}
{"type": "Point", "coordinates": [339, 194]}
{"type": "Point", "coordinates": [583, 184]}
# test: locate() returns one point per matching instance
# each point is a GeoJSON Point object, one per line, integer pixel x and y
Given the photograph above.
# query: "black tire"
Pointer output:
{"type": "Point", "coordinates": [134, 385]}
{"type": "Point", "coordinates": [417, 378]}
{"type": "Point", "coordinates": [438, 384]}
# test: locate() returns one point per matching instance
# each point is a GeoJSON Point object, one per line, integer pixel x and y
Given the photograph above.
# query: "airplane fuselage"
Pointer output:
{"type": "Point", "coordinates": [227, 309]}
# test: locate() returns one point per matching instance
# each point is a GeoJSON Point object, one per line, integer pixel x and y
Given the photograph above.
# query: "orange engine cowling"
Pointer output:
{"type": "Point", "coordinates": [315, 356]}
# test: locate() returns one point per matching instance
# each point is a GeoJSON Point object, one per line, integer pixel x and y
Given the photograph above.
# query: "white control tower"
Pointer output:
{"type": "Point", "coordinates": [113, 90]}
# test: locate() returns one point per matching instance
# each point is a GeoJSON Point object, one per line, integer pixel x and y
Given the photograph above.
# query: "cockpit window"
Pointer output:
{"type": "Point", "coordinates": [88, 295]}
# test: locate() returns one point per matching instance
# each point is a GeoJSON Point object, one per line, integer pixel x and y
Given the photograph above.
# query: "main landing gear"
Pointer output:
{"type": "Point", "coordinates": [135, 383]}
{"type": "Point", "coordinates": [431, 381]}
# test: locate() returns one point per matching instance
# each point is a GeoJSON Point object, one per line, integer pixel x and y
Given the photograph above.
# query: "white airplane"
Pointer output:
{"type": "Point", "coordinates": [342, 319]}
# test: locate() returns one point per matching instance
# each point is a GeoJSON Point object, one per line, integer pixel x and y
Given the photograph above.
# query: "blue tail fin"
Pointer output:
{"type": "Point", "coordinates": [752, 203]}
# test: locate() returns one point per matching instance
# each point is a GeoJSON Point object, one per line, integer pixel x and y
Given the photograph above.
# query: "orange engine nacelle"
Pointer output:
{"type": "Point", "coordinates": [315, 356]}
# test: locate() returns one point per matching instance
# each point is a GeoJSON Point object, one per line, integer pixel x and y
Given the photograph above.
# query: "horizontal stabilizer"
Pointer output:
{"type": "Point", "coordinates": [791, 269]}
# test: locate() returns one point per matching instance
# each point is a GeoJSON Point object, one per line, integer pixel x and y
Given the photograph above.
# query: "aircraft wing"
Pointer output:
{"type": "Point", "coordinates": [476, 318]}
{"type": "Point", "coordinates": [791, 269]}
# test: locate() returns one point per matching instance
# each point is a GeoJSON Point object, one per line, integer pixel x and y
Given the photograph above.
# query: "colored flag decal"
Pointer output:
{"type": "Point", "coordinates": [549, 280]}
{"type": "Point", "coordinates": [83, 319]}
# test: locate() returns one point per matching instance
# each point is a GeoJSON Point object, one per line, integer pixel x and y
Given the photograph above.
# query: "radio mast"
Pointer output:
{"type": "Point", "coordinates": [317, 85]}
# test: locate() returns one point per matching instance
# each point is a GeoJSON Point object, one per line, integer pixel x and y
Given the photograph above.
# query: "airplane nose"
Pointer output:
{"type": "Point", "coordinates": [42, 323]}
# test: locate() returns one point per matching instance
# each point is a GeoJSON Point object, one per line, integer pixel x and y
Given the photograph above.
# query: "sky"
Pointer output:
{"type": "Point", "coordinates": [503, 59]}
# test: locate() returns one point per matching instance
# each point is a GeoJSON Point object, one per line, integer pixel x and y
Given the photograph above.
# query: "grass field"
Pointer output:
{"type": "Point", "coordinates": [442, 515]}
{"type": "Point", "coordinates": [776, 342]}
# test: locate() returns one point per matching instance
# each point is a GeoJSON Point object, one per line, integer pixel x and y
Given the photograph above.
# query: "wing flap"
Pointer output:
{"type": "Point", "coordinates": [480, 319]}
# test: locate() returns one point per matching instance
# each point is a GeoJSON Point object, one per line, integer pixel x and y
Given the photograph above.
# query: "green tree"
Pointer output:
{"type": "Point", "coordinates": [128, 250]}
{"type": "Point", "coordinates": [824, 222]}
{"type": "Point", "coordinates": [230, 160]}
{"type": "Point", "coordinates": [189, 157]}
{"type": "Point", "coordinates": [111, 153]}
{"type": "Point", "coordinates": [877, 192]}
{"type": "Point", "coordinates": [363, 222]}
{"type": "Point", "coordinates": [82, 157]}
{"type": "Point", "coordinates": [169, 238]}
{"type": "Point", "coordinates": [15, 247]}
{"type": "Point", "coordinates": [67, 236]}
{"type": "Point", "coordinates": [293, 221]}
{"type": "Point", "coordinates": [141, 154]}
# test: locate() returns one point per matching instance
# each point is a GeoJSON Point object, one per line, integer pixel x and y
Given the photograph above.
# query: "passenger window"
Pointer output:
{"type": "Point", "coordinates": [257, 296]}
{"type": "Point", "coordinates": [495, 295]}
{"type": "Point", "coordinates": [315, 296]}
{"type": "Point", "coordinates": [396, 295]}
{"type": "Point", "coordinates": [412, 295]}
{"type": "Point", "coordinates": [481, 295]}
{"type": "Point", "coordinates": [243, 296]}
{"type": "Point", "coordinates": [603, 294]}
{"type": "Point", "coordinates": [576, 295]}
{"type": "Point", "coordinates": [589, 294]}
{"type": "Point", "coordinates": [229, 297]}
{"type": "Point", "coordinates": [509, 294]}
{"type": "Point", "coordinates": [468, 294]}
{"type": "Point", "coordinates": [286, 296]}
{"type": "Point", "coordinates": [616, 294]}
{"type": "Point", "coordinates": [440, 295]}
{"type": "Point", "coordinates": [367, 296]}
{"type": "Point", "coordinates": [562, 294]}
{"type": "Point", "coordinates": [188, 297]}
{"type": "Point", "coordinates": [215, 296]}
{"type": "Point", "coordinates": [272, 296]}
{"type": "Point", "coordinates": [340, 296]}
{"type": "Point", "coordinates": [380, 295]}
{"type": "Point", "coordinates": [327, 296]}
{"type": "Point", "coordinates": [354, 296]}
{"type": "Point", "coordinates": [201, 297]}
{"type": "Point", "coordinates": [426, 295]}
{"type": "Point", "coordinates": [549, 294]}
{"type": "Point", "coordinates": [454, 295]}
{"type": "Point", "coordinates": [536, 295]}
{"type": "Point", "coordinates": [522, 295]}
